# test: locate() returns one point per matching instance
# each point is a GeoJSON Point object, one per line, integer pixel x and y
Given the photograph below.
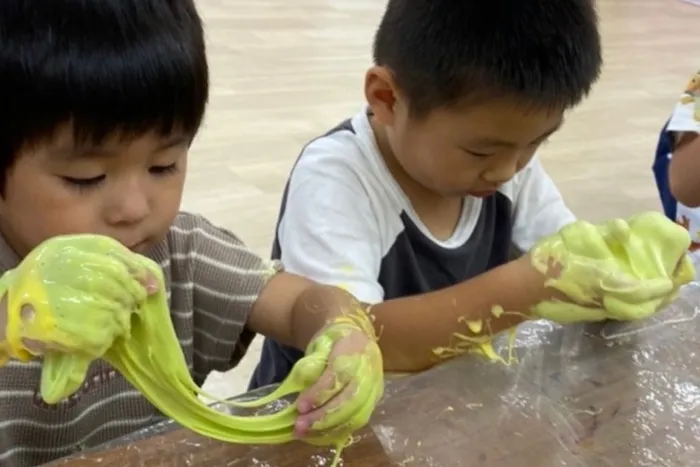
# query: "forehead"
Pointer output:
{"type": "Point", "coordinates": [65, 145]}
{"type": "Point", "coordinates": [499, 122]}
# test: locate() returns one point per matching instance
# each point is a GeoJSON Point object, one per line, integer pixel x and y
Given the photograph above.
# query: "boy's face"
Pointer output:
{"type": "Point", "coordinates": [461, 152]}
{"type": "Point", "coordinates": [129, 190]}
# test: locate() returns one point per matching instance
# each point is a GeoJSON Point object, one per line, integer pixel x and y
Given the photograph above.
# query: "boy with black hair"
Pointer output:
{"type": "Point", "coordinates": [101, 100]}
{"type": "Point", "coordinates": [416, 201]}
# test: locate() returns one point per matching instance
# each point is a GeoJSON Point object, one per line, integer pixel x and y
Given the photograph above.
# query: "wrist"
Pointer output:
{"type": "Point", "coordinates": [317, 307]}
{"type": "Point", "coordinates": [530, 280]}
{"type": "Point", "coordinates": [342, 313]}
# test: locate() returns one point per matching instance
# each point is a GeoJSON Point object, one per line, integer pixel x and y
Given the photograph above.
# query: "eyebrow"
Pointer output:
{"type": "Point", "coordinates": [91, 152]}
{"type": "Point", "coordinates": [498, 142]}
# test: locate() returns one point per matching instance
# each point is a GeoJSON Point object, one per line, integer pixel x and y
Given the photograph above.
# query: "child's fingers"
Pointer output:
{"type": "Point", "coordinates": [568, 313]}
{"type": "Point", "coordinates": [139, 271]}
{"type": "Point", "coordinates": [149, 282]}
{"type": "Point", "coordinates": [344, 357]}
{"type": "Point", "coordinates": [638, 292]}
{"type": "Point", "coordinates": [329, 414]}
{"type": "Point", "coordinates": [323, 390]}
{"type": "Point", "coordinates": [345, 414]}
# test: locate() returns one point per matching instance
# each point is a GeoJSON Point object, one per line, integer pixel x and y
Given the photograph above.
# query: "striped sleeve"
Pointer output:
{"type": "Point", "coordinates": [225, 279]}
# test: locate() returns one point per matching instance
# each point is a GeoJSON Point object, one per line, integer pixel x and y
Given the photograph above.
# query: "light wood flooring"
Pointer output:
{"type": "Point", "coordinates": [285, 70]}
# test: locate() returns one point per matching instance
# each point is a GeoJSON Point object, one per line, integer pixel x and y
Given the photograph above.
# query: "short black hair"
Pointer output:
{"type": "Point", "coordinates": [106, 66]}
{"type": "Point", "coordinates": [442, 53]}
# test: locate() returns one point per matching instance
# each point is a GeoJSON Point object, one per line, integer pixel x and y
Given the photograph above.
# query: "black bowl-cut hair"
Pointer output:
{"type": "Point", "coordinates": [444, 53]}
{"type": "Point", "coordinates": [107, 67]}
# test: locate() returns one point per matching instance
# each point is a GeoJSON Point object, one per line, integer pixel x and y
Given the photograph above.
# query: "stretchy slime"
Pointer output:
{"type": "Point", "coordinates": [621, 270]}
{"type": "Point", "coordinates": [87, 303]}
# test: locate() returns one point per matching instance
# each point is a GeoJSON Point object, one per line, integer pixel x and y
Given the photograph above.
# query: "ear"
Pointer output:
{"type": "Point", "coordinates": [382, 94]}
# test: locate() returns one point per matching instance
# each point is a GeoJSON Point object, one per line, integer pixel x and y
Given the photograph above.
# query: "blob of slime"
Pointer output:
{"type": "Point", "coordinates": [138, 339]}
{"type": "Point", "coordinates": [648, 252]}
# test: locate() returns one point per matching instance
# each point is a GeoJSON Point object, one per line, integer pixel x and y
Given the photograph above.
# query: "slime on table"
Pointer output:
{"type": "Point", "coordinates": [645, 250]}
{"type": "Point", "coordinates": [143, 346]}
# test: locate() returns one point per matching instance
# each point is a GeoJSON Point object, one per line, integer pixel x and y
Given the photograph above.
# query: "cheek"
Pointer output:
{"type": "Point", "coordinates": [417, 154]}
{"type": "Point", "coordinates": [435, 163]}
{"type": "Point", "coordinates": [35, 215]}
{"type": "Point", "coordinates": [168, 193]}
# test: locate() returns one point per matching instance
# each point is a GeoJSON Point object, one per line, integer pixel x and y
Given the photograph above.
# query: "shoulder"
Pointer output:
{"type": "Point", "coordinates": [342, 153]}
{"type": "Point", "coordinates": [532, 178]}
{"type": "Point", "coordinates": [194, 240]}
{"type": "Point", "coordinates": [189, 231]}
{"type": "Point", "coordinates": [343, 168]}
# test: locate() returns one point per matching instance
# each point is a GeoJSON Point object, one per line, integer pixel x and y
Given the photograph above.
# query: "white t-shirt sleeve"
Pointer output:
{"type": "Point", "coordinates": [539, 209]}
{"type": "Point", "coordinates": [329, 231]}
{"type": "Point", "coordinates": [686, 114]}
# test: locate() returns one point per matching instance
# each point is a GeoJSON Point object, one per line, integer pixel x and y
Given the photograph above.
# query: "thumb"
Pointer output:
{"type": "Point", "coordinates": [62, 375]}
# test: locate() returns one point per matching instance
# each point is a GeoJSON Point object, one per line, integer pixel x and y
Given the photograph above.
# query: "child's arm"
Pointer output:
{"type": "Point", "coordinates": [292, 309]}
{"type": "Point", "coordinates": [622, 270]}
{"type": "Point", "coordinates": [237, 294]}
{"type": "Point", "coordinates": [684, 166]}
{"type": "Point", "coordinates": [411, 328]}
{"type": "Point", "coordinates": [684, 169]}
{"type": "Point", "coordinates": [332, 232]}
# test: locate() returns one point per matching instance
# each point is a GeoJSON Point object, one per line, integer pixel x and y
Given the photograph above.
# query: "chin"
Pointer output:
{"type": "Point", "coordinates": [141, 248]}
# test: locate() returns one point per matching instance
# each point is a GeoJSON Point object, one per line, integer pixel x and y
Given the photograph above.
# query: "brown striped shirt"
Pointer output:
{"type": "Point", "coordinates": [212, 280]}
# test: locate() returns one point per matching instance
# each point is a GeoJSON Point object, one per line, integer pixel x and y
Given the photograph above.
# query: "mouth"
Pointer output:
{"type": "Point", "coordinates": [139, 246]}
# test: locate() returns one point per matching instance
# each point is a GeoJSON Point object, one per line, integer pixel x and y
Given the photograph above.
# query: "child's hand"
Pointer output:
{"type": "Point", "coordinates": [619, 270]}
{"type": "Point", "coordinates": [73, 293]}
{"type": "Point", "coordinates": [343, 398]}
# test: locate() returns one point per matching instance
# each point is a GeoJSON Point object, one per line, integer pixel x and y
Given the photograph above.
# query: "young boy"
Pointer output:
{"type": "Point", "coordinates": [101, 101]}
{"type": "Point", "coordinates": [677, 165]}
{"type": "Point", "coordinates": [415, 202]}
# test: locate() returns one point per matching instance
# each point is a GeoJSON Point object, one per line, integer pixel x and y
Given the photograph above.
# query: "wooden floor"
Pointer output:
{"type": "Point", "coordinates": [283, 71]}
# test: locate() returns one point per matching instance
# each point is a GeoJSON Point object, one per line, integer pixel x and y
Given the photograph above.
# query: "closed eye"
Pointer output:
{"type": "Point", "coordinates": [84, 182]}
{"type": "Point", "coordinates": [163, 169]}
{"type": "Point", "coordinates": [476, 154]}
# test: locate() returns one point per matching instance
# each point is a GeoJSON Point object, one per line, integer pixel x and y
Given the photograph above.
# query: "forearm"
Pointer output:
{"type": "Point", "coordinates": [411, 328]}
{"type": "Point", "coordinates": [317, 306]}
{"type": "Point", "coordinates": [684, 169]}
{"type": "Point", "coordinates": [292, 309]}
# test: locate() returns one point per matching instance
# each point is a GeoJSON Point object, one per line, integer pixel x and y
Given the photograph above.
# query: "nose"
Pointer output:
{"type": "Point", "coordinates": [129, 205]}
{"type": "Point", "coordinates": [501, 172]}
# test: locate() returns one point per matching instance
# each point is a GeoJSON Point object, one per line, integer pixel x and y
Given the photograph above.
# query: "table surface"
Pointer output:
{"type": "Point", "coordinates": [606, 395]}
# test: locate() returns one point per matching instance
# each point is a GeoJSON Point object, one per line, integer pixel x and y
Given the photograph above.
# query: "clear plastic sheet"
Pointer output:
{"type": "Point", "coordinates": [612, 394]}
{"type": "Point", "coordinates": [616, 394]}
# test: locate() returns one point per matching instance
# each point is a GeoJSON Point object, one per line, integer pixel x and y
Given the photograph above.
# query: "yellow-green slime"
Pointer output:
{"type": "Point", "coordinates": [620, 270]}
{"type": "Point", "coordinates": [87, 303]}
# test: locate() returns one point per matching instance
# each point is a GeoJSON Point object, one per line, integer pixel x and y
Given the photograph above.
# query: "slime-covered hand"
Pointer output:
{"type": "Point", "coordinates": [341, 380]}
{"type": "Point", "coordinates": [83, 297]}
{"type": "Point", "coordinates": [67, 286]}
{"type": "Point", "coordinates": [622, 270]}
{"type": "Point", "coordinates": [343, 397]}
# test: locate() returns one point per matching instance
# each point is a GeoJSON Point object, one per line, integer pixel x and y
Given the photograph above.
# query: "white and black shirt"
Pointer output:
{"type": "Point", "coordinates": [345, 221]}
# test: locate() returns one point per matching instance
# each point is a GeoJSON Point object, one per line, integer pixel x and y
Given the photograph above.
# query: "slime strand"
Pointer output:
{"type": "Point", "coordinates": [86, 302]}
{"type": "Point", "coordinates": [479, 344]}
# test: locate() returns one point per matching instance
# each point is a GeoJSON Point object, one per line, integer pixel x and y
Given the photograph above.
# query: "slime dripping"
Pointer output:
{"type": "Point", "coordinates": [146, 351]}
